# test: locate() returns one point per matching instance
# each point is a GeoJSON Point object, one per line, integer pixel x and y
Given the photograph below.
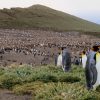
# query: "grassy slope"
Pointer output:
{"type": "Point", "coordinates": [38, 16]}
{"type": "Point", "coordinates": [48, 83]}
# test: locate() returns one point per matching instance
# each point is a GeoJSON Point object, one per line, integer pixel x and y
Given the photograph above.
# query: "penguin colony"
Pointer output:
{"type": "Point", "coordinates": [38, 47]}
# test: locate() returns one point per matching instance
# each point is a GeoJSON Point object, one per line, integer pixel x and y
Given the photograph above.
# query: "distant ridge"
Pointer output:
{"type": "Point", "coordinates": [39, 16]}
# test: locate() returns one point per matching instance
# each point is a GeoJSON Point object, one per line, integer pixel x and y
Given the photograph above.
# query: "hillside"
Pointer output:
{"type": "Point", "coordinates": [38, 16]}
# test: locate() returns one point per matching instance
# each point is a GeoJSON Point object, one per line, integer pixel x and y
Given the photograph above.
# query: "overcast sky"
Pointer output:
{"type": "Point", "coordinates": [87, 9]}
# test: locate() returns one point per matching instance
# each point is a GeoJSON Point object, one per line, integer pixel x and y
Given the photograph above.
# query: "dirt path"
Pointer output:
{"type": "Point", "coordinates": [8, 95]}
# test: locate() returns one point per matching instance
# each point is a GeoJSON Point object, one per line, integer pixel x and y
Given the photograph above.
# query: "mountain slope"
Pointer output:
{"type": "Point", "coordinates": [38, 16]}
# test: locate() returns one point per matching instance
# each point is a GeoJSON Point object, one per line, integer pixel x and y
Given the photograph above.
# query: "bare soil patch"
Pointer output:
{"type": "Point", "coordinates": [9, 95]}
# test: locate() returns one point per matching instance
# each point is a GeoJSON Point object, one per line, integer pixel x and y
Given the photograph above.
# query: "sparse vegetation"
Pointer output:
{"type": "Point", "coordinates": [47, 83]}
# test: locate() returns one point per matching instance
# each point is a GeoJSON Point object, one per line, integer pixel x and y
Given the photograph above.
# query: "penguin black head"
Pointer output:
{"type": "Point", "coordinates": [62, 48]}
{"type": "Point", "coordinates": [83, 52]}
{"type": "Point", "coordinates": [96, 46]}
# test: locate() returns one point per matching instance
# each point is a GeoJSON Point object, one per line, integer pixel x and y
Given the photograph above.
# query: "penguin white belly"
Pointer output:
{"type": "Point", "coordinates": [59, 61]}
{"type": "Point", "coordinates": [84, 59]}
{"type": "Point", "coordinates": [98, 75]}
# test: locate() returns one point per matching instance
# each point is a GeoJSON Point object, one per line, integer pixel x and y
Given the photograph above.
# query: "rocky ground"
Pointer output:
{"type": "Point", "coordinates": [38, 47]}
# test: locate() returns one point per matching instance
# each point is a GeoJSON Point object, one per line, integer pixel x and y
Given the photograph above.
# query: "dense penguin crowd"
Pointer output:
{"type": "Point", "coordinates": [38, 47]}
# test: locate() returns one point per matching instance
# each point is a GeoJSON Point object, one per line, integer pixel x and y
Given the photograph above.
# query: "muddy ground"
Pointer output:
{"type": "Point", "coordinates": [8, 95]}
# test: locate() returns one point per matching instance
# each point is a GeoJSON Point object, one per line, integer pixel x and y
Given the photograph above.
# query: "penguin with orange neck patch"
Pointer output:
{"type": "Point", "coordinates": [97, 59]}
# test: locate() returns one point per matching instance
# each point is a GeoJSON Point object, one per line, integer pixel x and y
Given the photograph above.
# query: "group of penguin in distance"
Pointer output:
{"type": "Point", "coordinates": [90, 62]}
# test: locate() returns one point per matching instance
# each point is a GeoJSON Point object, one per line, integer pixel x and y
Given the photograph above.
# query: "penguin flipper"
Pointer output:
{"type": "Point", "coordinates": [94, 72]}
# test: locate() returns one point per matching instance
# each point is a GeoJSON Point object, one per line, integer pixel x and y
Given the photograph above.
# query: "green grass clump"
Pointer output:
{"type": "Point", "coordinates": [48, 83]}
{"type": "Point", "coordinates": [56, 91]}
{"type": "Point", "coordinates": [1, 71]}
{"type": "Point", "coordinates": [69, 79]}
{"type": "Point", "coordinates": [26, 74]}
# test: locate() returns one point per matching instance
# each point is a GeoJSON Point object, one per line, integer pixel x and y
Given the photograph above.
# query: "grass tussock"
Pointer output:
{"type": "Point", "coordinates": [26, 74]}
{"type": "Point", "coordinates": [56, 91]}
{"type": "Point", "coordinates": [47, 83]}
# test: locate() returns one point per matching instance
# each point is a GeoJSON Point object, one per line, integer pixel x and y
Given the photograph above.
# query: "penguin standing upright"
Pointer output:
{"type": "Point", "coordinates": [97, 59]}
{"type": "Point", "coordinates": [91, 71]}
{"type": "Point", "coordinates": [55, 58]}
{"type": "Point", "coordinates": [59, 60]}
{"type": "Point", "coordinates": [66, 59]}
{"type": "Point", "coordinates": [84, 59]}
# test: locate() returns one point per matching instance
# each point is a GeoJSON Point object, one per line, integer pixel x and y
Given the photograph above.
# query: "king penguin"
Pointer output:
{"type": "Point", "coordinates": [91, 71]}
